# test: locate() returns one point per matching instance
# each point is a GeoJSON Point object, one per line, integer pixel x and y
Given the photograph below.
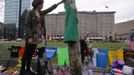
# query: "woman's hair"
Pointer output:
{"type": "Point", "coordinates": [35, 3]}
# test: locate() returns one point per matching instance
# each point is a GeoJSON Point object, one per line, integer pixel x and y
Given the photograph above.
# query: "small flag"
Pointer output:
{"type": "Point", "coordinates": [50, 52]}
{"type": "Point", "coordinates": [130, 42]}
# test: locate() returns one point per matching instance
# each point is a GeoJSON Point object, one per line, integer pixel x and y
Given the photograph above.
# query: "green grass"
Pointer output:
{"type": "Point", "coordinates": [50, 43]}
{"type": "Point", "coordinates": [102, 45]}
{"type": "Point", "coordinates": [5, 53]}
{"type": "Point", "coordinates": [108, 45]}
{"type": "Point", "coordinates": [53, 44]}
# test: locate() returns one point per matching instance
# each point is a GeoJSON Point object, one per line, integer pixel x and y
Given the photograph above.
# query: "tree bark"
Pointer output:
{"type": "Point", "coordinates": [75, 59]}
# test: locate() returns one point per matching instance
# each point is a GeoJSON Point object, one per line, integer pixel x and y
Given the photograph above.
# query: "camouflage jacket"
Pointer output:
{"type": "Point", "coordinates": [30, 22]}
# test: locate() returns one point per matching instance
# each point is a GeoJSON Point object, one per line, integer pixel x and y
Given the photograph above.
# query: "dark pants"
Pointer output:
{"type": "Point", "coordinates": [82, 58]}
{"type": "Point", "coordinates": [27, 56]}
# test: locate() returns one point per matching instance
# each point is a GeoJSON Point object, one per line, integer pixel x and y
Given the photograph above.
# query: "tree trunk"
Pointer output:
{"type": "Point", "coordinates": [75, 59]}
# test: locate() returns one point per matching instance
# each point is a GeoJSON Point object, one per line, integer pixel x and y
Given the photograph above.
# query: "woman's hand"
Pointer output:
{"type": "Point", "coordinates": [63, 1]}
{"type": "Point", "coordinates": [30, 40]}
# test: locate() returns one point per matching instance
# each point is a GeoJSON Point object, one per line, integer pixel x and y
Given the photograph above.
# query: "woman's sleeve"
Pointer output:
{"type": "Point", "coordinates": [27, 26]}
{"type": "Point", "coordinates": [44, 12]}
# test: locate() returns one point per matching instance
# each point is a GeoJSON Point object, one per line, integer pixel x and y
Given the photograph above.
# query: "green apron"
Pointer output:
{"type": "Point", "coordinates": [71, 24]}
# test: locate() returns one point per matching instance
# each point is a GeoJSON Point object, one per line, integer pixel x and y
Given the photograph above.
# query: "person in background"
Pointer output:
{"type": "Point", "coordinates": [34, 29]}
{"type": "Point", "coordinates": [85, 51]}
{"type": "Point", "coordinates": [83, 48]}
{"type": "Point", "coordinates": [86, 57]}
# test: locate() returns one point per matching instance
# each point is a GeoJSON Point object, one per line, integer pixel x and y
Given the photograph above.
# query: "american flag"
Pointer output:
{"type": "Point", "coordinates": [130, 42]}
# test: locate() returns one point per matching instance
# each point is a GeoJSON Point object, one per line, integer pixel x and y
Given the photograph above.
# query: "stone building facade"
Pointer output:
{"type": "Point", "coordinates": [91, 24]}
